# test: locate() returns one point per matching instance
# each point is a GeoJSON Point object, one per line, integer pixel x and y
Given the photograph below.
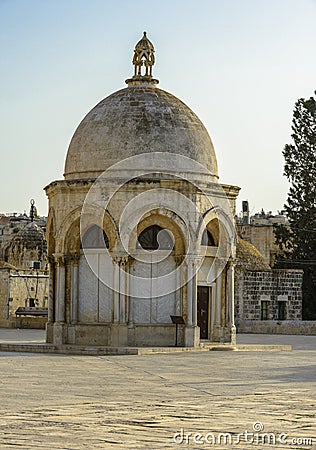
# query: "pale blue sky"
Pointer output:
{"type": "Point", "coordinates": [239, 64]}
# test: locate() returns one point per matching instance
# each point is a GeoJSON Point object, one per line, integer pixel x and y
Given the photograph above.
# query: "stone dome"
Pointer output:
{"type": "Point", "coordinates": [28, 245]}
{"type": "Point", "coordinates": [138, 119]}
{"type": "Point", "coordinates": [135, 120]}
{"type": "Point", "coordinates": [31, 236]}
{"type": "Point", "coordinates": [249, 258]}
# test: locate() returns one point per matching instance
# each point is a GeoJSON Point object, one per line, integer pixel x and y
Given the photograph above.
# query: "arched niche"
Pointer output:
{"type": "Point", "coordinates": [95, 277]}
{"type": "Point", "coordinates": [207, 239]}
{"type": "Point", "coordinates": [155, 269]}
{"type": "Point", "coordinates": [94, 237]}
{"type": "Point", "coordinates": [155, 237]}
{"type": "Point", "coordinates": [74, 227]}
{"type": "Point", "coordinates": [166, 220]}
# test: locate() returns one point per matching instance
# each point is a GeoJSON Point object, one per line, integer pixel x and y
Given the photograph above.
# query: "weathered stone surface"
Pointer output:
{"type": "Point", "coordinates": [133, 121]}
{"type": "Point", "coordinates": [253, 287]}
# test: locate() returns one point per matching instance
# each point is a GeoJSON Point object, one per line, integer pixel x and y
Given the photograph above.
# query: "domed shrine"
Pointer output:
{"type": "Point", "coordinates": [140, 231]}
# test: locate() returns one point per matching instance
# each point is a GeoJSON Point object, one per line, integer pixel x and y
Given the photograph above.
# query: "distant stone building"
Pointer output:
{"type": "Point", "coordinates": [22, 288]}
{"type": "Point", "coordinates": [23, 270]}
{"type": "Point", "coordinates": [258, 230]}
{"type": "Point", "coordinates": [22, 239]}
{"type": "Point", "coordinates": [28, 248]}
{"type": "Point", "coordinates": [266, 300]}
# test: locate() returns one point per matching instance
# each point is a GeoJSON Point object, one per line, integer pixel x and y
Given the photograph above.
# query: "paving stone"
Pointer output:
{"type": "Point", "coordinates": [137, 402]}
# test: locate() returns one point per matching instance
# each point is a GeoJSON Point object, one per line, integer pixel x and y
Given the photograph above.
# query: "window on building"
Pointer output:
{"type": "Point", "coordinates": [207, 239]}
{"type": "Point", "coordinates": [154, 238]}
{"type": "Point", "coordinates": [32, 302]}
{"type": "Point", "coordinates": [264, 310]}
{"type": "Point", "coordinates": [281, 310]}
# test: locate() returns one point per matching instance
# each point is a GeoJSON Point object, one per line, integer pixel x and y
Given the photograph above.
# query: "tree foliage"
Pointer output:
{"type": "Point", "coordinates": [298, 241]}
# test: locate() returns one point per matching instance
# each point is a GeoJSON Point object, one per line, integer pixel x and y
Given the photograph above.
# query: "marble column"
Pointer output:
{"type": "Point", "coordinates": [192, 336]}
{"type": "Point", "coordinates": [194, 297]}
{"type": "Point", "coordinates": [74, 288]}
{"type": "Point", "coordinates": [116, 289]}
{"type": "Point", "coordinates": [217, 334]}
{"type": "Point", "coordinates": [51, 289]}
{"type": "Point", "coordinates": [60, 297]}
{"type": "Point", "coordinates": [130, 313]}
{"type": "Point", "coordinates": [179, 282]}
{"type": "Point", "coordinates": [124, 290]}
{"type": "Point", "coordinates": [189, 294]}
{"type": "Point", "coordinates": [231, 301]}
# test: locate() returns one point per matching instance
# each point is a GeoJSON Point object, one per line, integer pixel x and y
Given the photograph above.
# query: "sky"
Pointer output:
{"type": "Point", "coordinates": [239, 64]}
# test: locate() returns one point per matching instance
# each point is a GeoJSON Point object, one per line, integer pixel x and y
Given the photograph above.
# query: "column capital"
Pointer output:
{"type": "Point", "coordinates": [193, 260]}
{"type": "Point", "coordinates": [60, 259]}
{"type": "Point", "coordinates": [232, 262]}
{"type": "Point", "coordinates": [73, 258]}
{"type": "Point", "coordinates": [51, 259]}
{"type": "Point", "coordinates": [121, 260]}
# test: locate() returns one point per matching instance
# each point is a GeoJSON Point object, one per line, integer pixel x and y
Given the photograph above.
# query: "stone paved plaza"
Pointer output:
{"type": "Point", "coordinates": [136, 402]}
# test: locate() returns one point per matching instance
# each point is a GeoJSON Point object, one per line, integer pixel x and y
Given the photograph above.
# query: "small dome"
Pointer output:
{"type": "Point", "coordinates": [138, 119]}
{"type": "Point", "coordinates": [28, 245]}
{"type": "Point", "coordinates": [31, 236]}
{"type": "Point", "coordinates": [249, 257]}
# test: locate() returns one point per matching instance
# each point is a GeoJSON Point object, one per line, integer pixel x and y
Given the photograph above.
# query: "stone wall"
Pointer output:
{"type": "Point", "coordinates": [277, 327]}
{"type": "Point", "coordinates": [21, 286]}
{"type": "Point", "coordinates": [4, 274]}
{"type": "Point", "coordinates": [26, 285]}
{"type": "Point", "coordinates": [271, 286]}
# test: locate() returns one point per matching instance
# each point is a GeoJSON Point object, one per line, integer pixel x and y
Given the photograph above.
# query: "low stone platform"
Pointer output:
{"type": "Point", "coordinates": [33, 341]}
{"type": "Point", "coordinates": [103, 351]}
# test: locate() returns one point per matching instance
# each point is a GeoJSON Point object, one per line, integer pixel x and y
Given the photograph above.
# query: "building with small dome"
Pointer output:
{"type": "Point", "coordinates": [28, 248]}
{"type": "Point", "coordinates": [23, 271]}
{"type": "Point", "coordinates": [140, 232]}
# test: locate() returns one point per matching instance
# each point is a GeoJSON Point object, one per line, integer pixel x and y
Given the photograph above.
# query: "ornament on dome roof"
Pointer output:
{"type": "Point", "coordinates": [144, 56]}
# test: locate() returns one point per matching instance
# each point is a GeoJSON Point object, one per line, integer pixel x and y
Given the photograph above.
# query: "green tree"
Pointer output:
{"type": "Point", "coordinates": [298, 241]}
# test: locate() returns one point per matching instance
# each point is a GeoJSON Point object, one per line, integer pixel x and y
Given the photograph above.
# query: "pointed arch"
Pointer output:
{"type": "Point", "coordinates": [71, 229]}
{"type": "Point", "coordinates": [94, 237]}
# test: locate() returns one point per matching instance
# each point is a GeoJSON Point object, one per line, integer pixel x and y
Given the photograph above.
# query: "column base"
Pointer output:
{"type": "Point", "coordinates": [192, 336]}
{"type": "Point", "coordinates": [217, 335]}
{"type": "Point", "coordinates": [229, 334]}
{"type": "Point", "coordinates": [49, 332]}
{"type": "Point", "coordinates": [118, 335]}
{"type": "Point", "coordinates": [59, 333]}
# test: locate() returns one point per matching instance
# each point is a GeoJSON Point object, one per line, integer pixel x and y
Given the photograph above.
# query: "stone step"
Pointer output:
{"type": "Point", "coordinates": [102, 350]}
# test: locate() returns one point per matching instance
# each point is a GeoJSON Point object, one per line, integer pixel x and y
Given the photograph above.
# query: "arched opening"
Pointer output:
{"type": "Point", "coordinates": [207, 239]}
{"type": "Point", "coordinates": [155, 237]}
{"type": "Point", "coordinates": [155, 294]}
{"type": "Point", "coordinates": [95, 277]}
{"type": "Point", "coordinates": [94, 237]}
